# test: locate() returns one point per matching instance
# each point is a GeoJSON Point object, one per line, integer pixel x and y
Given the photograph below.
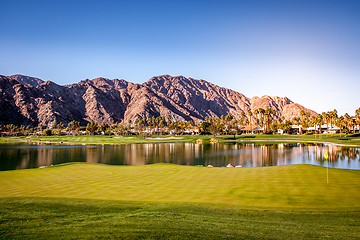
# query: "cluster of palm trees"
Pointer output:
{"type": "Point", "coordinates": [345, 123]}
{"type": "Point", "coordinates": [265, 119]}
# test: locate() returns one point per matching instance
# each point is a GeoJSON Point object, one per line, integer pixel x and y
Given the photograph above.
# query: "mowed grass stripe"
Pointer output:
{"type": "Point", "coordinates": [285, 187]}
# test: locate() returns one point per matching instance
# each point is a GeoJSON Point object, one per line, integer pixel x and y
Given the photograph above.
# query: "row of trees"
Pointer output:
{"type": "Point", "coordinates": [265, 119]}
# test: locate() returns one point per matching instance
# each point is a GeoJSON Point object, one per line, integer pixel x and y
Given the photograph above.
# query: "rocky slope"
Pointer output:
{"type": "Point", "coordinates": [31, 101]}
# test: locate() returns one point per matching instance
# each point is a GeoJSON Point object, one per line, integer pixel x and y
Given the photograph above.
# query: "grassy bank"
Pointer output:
{"type": "Point", "coordinates": [351, 140]}
{"type": "Point", "coordinates": [165, 201]}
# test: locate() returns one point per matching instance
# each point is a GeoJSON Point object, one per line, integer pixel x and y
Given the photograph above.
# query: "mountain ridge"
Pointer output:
{"type": "Point", "coordinates": [36, 102]}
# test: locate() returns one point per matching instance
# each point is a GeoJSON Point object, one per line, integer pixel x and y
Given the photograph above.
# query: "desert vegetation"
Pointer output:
{"type": "Point", "coordinates": [264, 121]}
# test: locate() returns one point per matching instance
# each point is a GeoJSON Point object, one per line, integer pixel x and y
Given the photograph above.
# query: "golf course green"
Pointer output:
{"type": "Point", "coordinates": [351, 140]}
{"type": "Point", "coordinates": [166, 201]}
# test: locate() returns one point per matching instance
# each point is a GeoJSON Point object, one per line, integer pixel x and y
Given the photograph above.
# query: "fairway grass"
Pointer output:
{"type": "Point", "coordinates": [281, 187]}
{"type": "Point", "coordinates": [166, 201]}
{"type": "Point", "coordinates": [258, 138]}
{"type": "Point", "coordinates": [35, 218]}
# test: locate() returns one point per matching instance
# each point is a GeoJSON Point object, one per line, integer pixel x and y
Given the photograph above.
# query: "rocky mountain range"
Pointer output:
{"type": "Point", "coordinates": [30, 101]}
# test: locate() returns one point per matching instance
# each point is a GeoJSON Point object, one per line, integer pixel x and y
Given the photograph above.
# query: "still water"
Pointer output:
{"type": "Point", "coordinates": [21, 156]}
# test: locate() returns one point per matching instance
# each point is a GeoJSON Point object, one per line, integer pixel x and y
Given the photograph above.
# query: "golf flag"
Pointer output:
{"type": "Point", "coordinates": [326, 156]}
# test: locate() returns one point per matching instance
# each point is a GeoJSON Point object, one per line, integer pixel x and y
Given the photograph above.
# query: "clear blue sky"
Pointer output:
{"type": "Point", "coordinates": [308, 51]}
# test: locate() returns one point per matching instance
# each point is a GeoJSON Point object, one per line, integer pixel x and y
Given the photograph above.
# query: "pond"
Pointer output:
{"type": "Point", "coordinates": [23, 156]}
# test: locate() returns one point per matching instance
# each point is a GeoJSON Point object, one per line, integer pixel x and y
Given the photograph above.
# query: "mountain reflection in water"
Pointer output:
{"type": "Point", "coordinates": [218, 155]}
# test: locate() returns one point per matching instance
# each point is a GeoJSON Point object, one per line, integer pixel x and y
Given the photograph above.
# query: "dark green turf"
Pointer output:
{"type": "Point", "coordinates": [34, 218]}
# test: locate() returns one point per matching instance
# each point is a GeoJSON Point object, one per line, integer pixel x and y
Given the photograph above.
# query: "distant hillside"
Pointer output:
{"type": "Point", "coordinates": [24, 80]}
{"type": "Point", "coordinates": [25, 100]}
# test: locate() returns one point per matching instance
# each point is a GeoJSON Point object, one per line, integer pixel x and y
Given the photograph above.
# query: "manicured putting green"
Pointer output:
{"type": "Point", "coordinates": [283, 187]}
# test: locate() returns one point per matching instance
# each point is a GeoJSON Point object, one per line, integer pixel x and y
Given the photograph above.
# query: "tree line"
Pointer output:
{"type": "Point", "coordinates": [264, 119]}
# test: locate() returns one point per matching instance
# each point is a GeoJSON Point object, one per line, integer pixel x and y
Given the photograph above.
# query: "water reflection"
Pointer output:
{"type": "Point", "coordinates": [243, 154]}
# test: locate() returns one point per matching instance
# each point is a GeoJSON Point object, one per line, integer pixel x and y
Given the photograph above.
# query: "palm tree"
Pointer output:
{"type": "Point", "coordinates": [103, 127]}
{"type": "Point", "coordinates": [168, 120]}
{"type": "Point", "coordinates": [149, 121]}
{"type": "Point", "coordinates": [11, 129]}
{"type": "Point", "coordinates": [340, 124]}
{"type": "Point", "coordinates": [161, 123]}
{"type": "Point", "coordinates": [256, 112]}
{"type": "Point", "coordinates": [250, 114]}
{"type": "Point", "coordinates": [242, 115]}
{"type": "Point", "coordinates": [295, 120]}
{"type": "Point", "coordinates": [269, 114]}
{"type": "Point", "coordinates": [347, 120]}
{"type": "Point", "coordinates": [92, 127]}
{"type": "Point", "coordinates": [137, 125]}
{"type": "Point", "coordinates": [261, 120]}
{"type": "Point", "coordinates": [326, 117]}
{"type": "Point", "coordinates": [60, 126]}
{"type": "Point", "coordinates": [246, 121]}
{"type": "Point", "coordinates": [317, 121]}
{"type": "Point", "coordinates": [153, 122]}
{"type": "Point", "coordinates": [352, 123]}
{"type": "Point", "coordinates": [74, 126]}
{"type": "Point", "coordinates": [357, 116]}
{"type": "Point", "coordinates": [333, 117]}
{"type": "Point", "coordinates": [302, 114]}
{"type": "Point", "coordinates": [143, 123]}
{"type": "Point", "coordinates": [228, 119]}
{"type": "Point", "coordinates": [234, 127]}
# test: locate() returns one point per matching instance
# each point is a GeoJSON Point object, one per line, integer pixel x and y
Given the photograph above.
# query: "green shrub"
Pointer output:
{"type": "Point", "coordinates": [47, 132]}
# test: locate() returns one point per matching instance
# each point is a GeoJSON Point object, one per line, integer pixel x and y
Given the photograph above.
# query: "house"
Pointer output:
{"type": "Point", "coordinates": [251, 129]}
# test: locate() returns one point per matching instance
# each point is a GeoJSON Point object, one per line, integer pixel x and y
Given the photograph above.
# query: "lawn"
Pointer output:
{"type": "Point", "coordinates": [351, 140]}
{"type": "Point", "coordinates": [166, 201]}
{"type": "Point", "coordinates": [283, 187]}
{"type": "Point", "coordinates": [34, 218]}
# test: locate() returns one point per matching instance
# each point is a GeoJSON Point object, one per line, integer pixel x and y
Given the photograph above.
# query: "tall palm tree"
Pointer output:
{"type": "Point", "coordinates": [326, 117]}
{"type": "Point", "coordinates": [246, 121]}
{"type": "Point", "coordinates": [256, 112]}
{"type": "Point", "coordinates": [302, 114]}
{"type": "Point", "coordinates": [242, 114]}
{"type": "Point", "coordinates": [168, 119]}
{"type": "Point", "coordinates": [347, 120]}
{"type": "Point", "coordinates": [250, 115]}
{"type": "Point", "coordinates": [357, 116]}
{"type": "Point", "coordinates": [92, 127]}
{"type": "Point", "coordinates": [317, 122]}
{"type": "Point", "coordinates": [150, 122]}
{"type": "Point", "coordinates": [137, 125]}
{"type": "Point", "coordinates": [352, 123]}
{"type": "Point", "coordinates": [161, 124]}
{"type": "Point", "coordinates": [228, 119]}
{"type": "Point", "coordinates": [340, 123]}
{"type": "Point", "coordinates": [269, 117]}
{"type": "Point", "coordinates": [142, 123]}
{"type": "Point", "coordinates": [333, 117]}
{"type": "Point", "coordinates": [261, 120]}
